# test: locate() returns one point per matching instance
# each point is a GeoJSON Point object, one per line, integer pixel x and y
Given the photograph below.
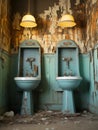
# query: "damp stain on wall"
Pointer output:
{"type": "Point", "coordinates": [48, 33]}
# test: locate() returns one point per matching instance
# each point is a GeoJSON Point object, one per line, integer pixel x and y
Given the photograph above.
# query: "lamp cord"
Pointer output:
{"type": "Point", "coordinates": [28, 6]}
{"type": "Point", "coordinates": [66, 2]}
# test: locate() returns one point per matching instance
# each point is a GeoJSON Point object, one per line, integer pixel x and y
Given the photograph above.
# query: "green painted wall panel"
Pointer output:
{"type": "Point", "coordinates": [85, 84]}
{"type": "Point", "coordinates": [4, 81]}
{"type": "Point", "coordinates": [15, 93]}
{"type": "Point", "coordinates": [48, 95]}
{"type": "Point", "coordinates": [93, 96]}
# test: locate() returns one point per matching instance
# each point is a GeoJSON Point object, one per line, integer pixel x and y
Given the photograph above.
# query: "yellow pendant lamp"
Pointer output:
{"type": "Point", "coordinates": [66, 20]}
{"type": "Point", "coordinates": [28, 20]}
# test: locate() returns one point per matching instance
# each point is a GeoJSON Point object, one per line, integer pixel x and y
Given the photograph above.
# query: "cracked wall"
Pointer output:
{"type": "Point", "coordinates": [47, 32]}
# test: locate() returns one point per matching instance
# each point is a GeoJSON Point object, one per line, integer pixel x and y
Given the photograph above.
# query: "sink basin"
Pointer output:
{"type": "Point", "coordinates": [69, 82]}
{"type": "Point", "coordinates": [27, 83]}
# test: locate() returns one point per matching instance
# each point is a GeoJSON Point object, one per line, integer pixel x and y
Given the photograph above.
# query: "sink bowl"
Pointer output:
{"type": "Point", "coordinates": [27, 83]}
{"type": "Point", "coordinates": [68, 82]}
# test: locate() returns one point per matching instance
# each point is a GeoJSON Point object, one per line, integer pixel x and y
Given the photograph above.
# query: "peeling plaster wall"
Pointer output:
{"type": "Point", "coordinates": [4, 53]}
{"type": "Point", "coordinates": [47, 32]}
{"type": "Point", "coordinates": [85, 33]}
{"type": "Point", "coordinates": [91, 40]}
{"type": "Point", "coordinates": [92, 24]}
{"type": "Point", "coordinates": [5, 25]}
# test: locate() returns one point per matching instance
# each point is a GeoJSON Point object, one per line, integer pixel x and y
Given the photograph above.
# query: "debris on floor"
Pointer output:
{"type": "Point", "coordinates": [9, 114]}
{"type": "Point", "coordinates": [46, 118]}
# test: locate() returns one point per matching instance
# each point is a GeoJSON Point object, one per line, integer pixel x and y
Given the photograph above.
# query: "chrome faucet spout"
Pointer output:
{"type": "Point", "coordinates": [67, 60]}
{"type": "Point", "coordinates": [30, 60]}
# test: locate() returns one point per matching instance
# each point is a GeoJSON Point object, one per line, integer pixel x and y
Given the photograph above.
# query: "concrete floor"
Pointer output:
{"type": "Point", "coordinates": [85, 125]}
{"type": "Point", "coordinates": [47, 121]}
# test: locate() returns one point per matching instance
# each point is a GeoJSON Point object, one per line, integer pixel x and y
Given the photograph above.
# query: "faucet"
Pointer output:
{"type": "Point", "coordinates": [67, 59]}
{"type": "Point", "coordinates": [30, 60]}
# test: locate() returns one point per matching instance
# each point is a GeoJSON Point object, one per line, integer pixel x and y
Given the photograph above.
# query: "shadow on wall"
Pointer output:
{"type": "Point", "coordinates": [82, 96]}
{"type": "Point", "coordinates": [83, 92]}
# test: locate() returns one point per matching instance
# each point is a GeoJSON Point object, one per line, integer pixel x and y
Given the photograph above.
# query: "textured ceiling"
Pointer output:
{"type": "Point", "coordinates": [37, 6]}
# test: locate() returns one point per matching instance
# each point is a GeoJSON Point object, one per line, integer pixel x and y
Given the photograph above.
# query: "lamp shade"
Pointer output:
{"type": "Point", "coordinates": [67, 20]}
{"type": "Point", "coordinates": [28, 21]}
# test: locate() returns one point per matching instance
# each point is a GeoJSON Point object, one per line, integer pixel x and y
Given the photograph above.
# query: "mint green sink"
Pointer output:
{"type": "Point", "coordinates": [29, 73]}
{"type": "Point", "coordinates": [27, 83]}
{"type": "Point", "coordinates": [67, 72]}
{"type": "Point", "coordinates": [68, 82]}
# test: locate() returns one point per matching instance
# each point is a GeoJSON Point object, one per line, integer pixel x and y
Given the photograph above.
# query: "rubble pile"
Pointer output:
{"type": "Point", "coordinates": [46, 117]}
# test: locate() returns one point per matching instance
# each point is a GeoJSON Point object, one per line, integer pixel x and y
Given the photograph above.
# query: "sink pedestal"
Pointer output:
{"type": "Point", "coordinates": [68, 84]}
{"type": "Point", "coordinates": [27, 103]}
{"type": "Point", "coordinates": [27, 85]}
{"type": "Point", "coordinates": [68, 102]}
